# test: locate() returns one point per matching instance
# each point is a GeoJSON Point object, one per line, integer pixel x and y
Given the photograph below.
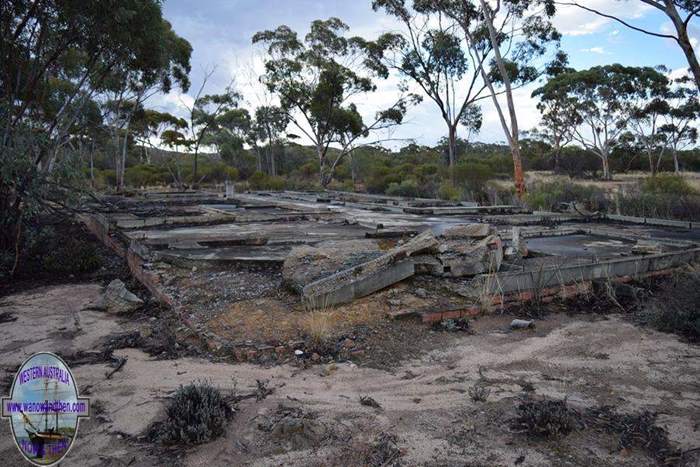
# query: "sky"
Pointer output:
{"type": "Point", "coordinates": [220, 32]}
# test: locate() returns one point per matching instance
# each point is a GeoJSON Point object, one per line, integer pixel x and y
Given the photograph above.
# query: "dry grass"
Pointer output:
{"type": "Point", "coordinates": [318, 326]}
{"type": "Point", "coordinates": [620, 180]}
{"type": "Point", "coordinates": [270, 320]}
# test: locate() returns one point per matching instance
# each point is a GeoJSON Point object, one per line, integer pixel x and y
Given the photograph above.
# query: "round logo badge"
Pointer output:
{"type": "Point", "coordinates": [44, 409]}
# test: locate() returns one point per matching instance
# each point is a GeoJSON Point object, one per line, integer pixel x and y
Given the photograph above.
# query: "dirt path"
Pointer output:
{"type": "Point", "coordinates": [424, 402]}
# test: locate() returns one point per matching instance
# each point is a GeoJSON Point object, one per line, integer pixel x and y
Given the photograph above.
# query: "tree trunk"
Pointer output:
{"type": "Point", "coordinates": [353, 172]}
{"type": "Point", "coordinates": [451, 150]}
{"type": "Point", "coordinates": [684, 40]}
{"type": "Point", "coordinates": [606, 167]}
{"type": "Point", "coordinates": [676, 168]}
{"type": "Point", "coordinates": [194, 170]}
{"type": "Point", "coordinates": [321, 163]}
{"type": "Point", "coordinates": [512, 133]}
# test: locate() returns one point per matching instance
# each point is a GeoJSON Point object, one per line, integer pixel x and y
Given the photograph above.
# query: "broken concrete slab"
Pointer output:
{"type": "Point", "coordinates": [518, 282]}
{"type": "Point", "coordinates": [460, 258]}
{"type": "Point", "coordinates": [464, 210]}
{"type": "Point", "coordinates": [305, 264]}
{"type": "Point", "coordinates": [468, 231]}
{"type": "Point", "coordinates": [117, 299]}
{"type": "Point", "coordinates": [369, 277]}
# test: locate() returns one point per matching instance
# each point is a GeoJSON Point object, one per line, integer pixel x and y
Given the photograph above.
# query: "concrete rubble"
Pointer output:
{"type": "Point", "coordinates": [117, 299]}
{"type": "Point", "coordinates": [201, 252]}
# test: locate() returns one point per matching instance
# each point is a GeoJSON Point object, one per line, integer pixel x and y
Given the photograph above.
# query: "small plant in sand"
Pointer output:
{"type": "Point", "coordinates": [198, 413]}
{"type": "Point", "coordinates": [479, 392]}
{"type": "Point", "coordinates": [545, 418]}
{"type": "Point", "coordinates": [318, 326]}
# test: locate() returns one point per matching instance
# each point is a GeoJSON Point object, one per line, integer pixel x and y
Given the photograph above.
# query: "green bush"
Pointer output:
{"type": "Point", "coordinates": [661, 205]}
{"type": "Point", "coordinates": [217, 172]}
{"type": "Point", "coordinates": [546, 195]}
{"type": "Point", "coordinates": [406, 188]}
{"type": "Point", "coordinates": [146, 175]}
{"type": "Point", "coordinates": [261, 181]}
{"type": "Point", "coordinates": [62, 254]}
{"type": "Point", "coordinates": [448, 192]}
{"type": "Point", "coordinates": [669, 184]}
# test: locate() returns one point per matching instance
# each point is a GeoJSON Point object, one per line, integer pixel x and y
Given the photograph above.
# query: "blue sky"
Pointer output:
{"type": "Point", "coordinates": [220, 32]}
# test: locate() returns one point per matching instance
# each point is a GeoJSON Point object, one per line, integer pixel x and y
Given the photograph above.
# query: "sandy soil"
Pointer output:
{"type": "Point", "coordinates": [590, 360]}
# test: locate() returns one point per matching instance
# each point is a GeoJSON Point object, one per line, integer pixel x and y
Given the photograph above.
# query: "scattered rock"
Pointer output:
{"type": "Point", "coordinates": [420, 293]}
{"type": "Point", "coordinates": [117, 299]}
{"type": "Point", "coordinates": [522, 324]}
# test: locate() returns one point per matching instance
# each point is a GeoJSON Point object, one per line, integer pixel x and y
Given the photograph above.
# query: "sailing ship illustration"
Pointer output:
{"type": "Point", "coordinates": [39, 438]}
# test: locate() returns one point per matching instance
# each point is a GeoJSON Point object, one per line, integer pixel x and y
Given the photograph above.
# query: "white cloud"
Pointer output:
{"type": "Point", "coordinates": [574, 21]}
{"type": "Point", "coordinates": [595, 50]}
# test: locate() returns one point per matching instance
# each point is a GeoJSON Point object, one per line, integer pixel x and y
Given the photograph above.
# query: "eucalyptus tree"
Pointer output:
{"type": "Point", "coordinates": [603, 98]}
{"type": "Point", "coordinates": [269, 125]}
{"type": "Point", "coordinates": [646, 122]}
{"type": "Point", "coordinates": [683, 99]}
{"type": "Point", "coordinates": [559, 118]}
{"type": "Point", "coordinates": [680, 13]}
{"type": "Point", "coordinates": [126, 88]}
{"type": "Point", "coordinates": [318, 79]}
{"type": "Point", "coordinates": [149, 127]}
{"type": "Point", "coordinates": [65, 49]}
{"type": "Point", "coordinates": [205, 116]}
{"type": "Point", "coordinates": [506, 37]}
{"type": "Point", "coordinates": [430, 51]}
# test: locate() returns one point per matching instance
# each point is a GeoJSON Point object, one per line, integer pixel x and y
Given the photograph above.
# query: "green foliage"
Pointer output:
{"type": "Point", "coordinates": [405, 188]}
{"type": "Point", "coordinates": [60, 254]}
{"type": "Point", "coordinates": [217, 172]}
{"type": "Point", "coordinates": [447, 191]}
{"type": "Point", "coordinates": [472, 176]}
{"type": "Point", "coordinates": [314, 78]}
{"type": "Point", "coordinates": [543, 196]}
{"type": "Point", "coordinates": [146, 175]}
{"type": "Point", "coordinates": [668, 184]}
{"type": "Point", "coordinates": [261, 181]}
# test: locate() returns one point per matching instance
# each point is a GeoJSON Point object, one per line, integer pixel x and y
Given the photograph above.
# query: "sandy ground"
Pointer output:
{"type": "Point", "coordinates": [591, 360]}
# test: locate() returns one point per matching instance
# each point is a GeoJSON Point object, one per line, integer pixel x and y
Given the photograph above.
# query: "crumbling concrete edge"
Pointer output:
{"type": "Point", "coordinates": [498, 292]}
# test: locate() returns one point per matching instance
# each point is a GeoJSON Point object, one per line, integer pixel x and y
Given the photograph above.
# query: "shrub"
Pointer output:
{"type": "Point", "coordinates": [665, 196]}
{"type": "Point", "coordinates": [447, 191]}
{"type": "Point", "coordinates": [261, 181]}
{"type": "Point", "coordinates": [217, 172]}
{"type": "Point", "coordinates": [545, 418]}
{"type": "Point", "coordinates": [276, 183]}
{"type": "Point", "coordinates": [406, 188]}
{"type": "Point", "coordinates": [545, 195]}
{"type": "Point", "coordinates": [198, 413]}
{"type": "Point", "coordinates": [473, 175]}
{"type": "Point", "coordinates": [62, 254]}
{"type": "Point", "coordinates": [145, 175]}
{"type": "Point", "coordinates": [675, 309]}
{"type": "Point", "coordinates": [669, 184]}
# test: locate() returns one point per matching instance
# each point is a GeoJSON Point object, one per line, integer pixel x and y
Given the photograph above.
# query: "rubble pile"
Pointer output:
{"type": "Point", "coordinates": [339, 272]}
